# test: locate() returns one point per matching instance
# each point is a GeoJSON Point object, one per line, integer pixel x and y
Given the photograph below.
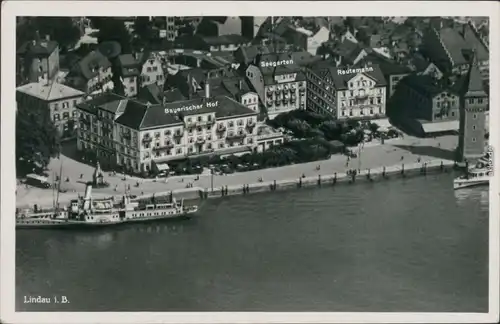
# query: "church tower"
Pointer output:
{"type": "Point", "coordinates": [473, 106]}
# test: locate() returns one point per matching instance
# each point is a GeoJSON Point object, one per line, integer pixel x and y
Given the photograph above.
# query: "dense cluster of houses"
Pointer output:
{"type": "Point", "coordinates": [212, 92]}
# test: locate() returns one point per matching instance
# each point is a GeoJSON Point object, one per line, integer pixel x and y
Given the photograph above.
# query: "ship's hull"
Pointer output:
{"type": "Point", "coordinates": [460, 183]}
{"type": "Point", "coordinates": [52, 223]}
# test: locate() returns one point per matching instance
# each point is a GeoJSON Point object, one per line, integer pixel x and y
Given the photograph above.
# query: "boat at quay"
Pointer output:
{"type": "Point", "coordinates": [478, 175]}
{"type": "Point", "coordinates": [88, 212]}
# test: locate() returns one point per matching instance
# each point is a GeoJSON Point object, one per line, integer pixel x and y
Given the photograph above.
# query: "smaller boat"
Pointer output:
{"type": "Point", "coordinates": [479, 175]}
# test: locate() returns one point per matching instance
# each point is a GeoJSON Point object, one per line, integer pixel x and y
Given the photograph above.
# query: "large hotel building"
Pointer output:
{"type": "Point", "coordinates": [346, 92]}
{"type": "Point", "coordinates": [279, 82]}
{"type": "Point", "coordinates": [139, 137]}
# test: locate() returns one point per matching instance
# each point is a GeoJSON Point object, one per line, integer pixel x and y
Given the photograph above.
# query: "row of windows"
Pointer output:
{"type": "Point", "coordinates": [351, 102]}
{"type": "Point", "coordinates": [361, 83]}
{"type": "Point", "coordinates": [152, 69]}
{"type": "Point", "coordinates": [479, 100]}
{"type": "Point", "coordinates": [250, 101]}
{"type": "Point", "coordinates": [191, 149]}
{"type": "Point", "coordinates": [64, 105]}
{"type": "Point", "coordinates": [65, 115]}
{"type": "Point", "coordinates": [147, 78]}
{"type": "Point", "coordinates": [361, 92]}
{"type": "Point", "coordinates": [361, 112]}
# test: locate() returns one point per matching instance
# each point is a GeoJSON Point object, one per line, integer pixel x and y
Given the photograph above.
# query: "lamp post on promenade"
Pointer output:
{"type": "Point", "coordinates": [212, 178]}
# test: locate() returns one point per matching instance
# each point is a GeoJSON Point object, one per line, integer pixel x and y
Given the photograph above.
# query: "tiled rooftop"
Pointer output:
{"type": "Point", "coordinates": [139, 115]}
{"type": "Point", "coordinates": [49, 92]}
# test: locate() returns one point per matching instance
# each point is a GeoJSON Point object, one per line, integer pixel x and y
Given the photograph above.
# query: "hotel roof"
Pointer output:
{"type": "Point", "coordinates": [108, 101]}
{"type": "Point", "coordinates": [141, 116]}
{"type": "Point", "coordinates": [49, 92]}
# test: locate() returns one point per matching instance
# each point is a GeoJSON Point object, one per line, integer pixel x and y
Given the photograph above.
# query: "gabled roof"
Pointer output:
{"type": "Point", "coordinates": [280, 26]}
{"type": "Point", "coordinates": [49, 92]}
{"type": "Point", "coordinates": [424, 84]}
{"type": "Point", "coordinates": [232, 39]}
{"type": "Point", "coordinates": [304, 58]}
{"type": "Point", "coordinates": [89, 65]}
{"type": "Point", "coordinates": [140, 116]}
{"type": "Point", "coordinates": [340, 80]}
{"type": "Point", "coordinates": [482, 53]}
{"type": "Point", "coordinates": [455, 44]}
{"type": "Point", "coordinates": [279, 69]}
{"type": "Point", "coordinates": [150, 93]}
{"type": "Point", "coordinates": [108, 101]}
{"type": "Point", "coordinates": [387, 66]}
{"type": "Point", "coordinates": [173, 95]}
{"type": "Point", "coordinates": [247, 54]}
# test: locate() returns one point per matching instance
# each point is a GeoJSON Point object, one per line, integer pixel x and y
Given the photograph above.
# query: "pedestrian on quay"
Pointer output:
{"type": "Point", "coordinates": [81, 175]}
{"type": "Point", "coordinates": [402, 157]}
{"type": "Point", "coordinates": [418, 160]}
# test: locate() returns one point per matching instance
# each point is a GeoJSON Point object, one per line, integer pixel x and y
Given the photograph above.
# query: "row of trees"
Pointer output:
{"type": "Point", "coordinates": [292, 152]}
{"type": "Point", "coordinates": [306, 124]}
{"type": "Point", "coordinates": [61, 29]}
{"type": "Point", "coordinates": [37, 140]}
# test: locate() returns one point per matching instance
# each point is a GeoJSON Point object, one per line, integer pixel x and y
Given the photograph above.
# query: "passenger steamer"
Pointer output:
{"type": "Point", "coordinates": [86, 211]}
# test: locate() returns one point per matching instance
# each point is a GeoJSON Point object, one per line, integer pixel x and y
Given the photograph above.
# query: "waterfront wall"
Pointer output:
{"type": "Point", "coordinates": [268, 185]}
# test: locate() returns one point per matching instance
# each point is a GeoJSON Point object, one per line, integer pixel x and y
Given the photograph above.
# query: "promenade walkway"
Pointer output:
{"type": "Point", "coordinates": [372, 156]}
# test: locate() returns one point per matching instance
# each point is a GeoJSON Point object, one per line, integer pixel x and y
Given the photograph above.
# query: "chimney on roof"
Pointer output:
{"type": "Point", "coordinates": [190, 86]}
{"type": "Point", "coordinates": [47, 38]}
{"type": "Point", "coordinates": [241, 85]}
{"type": "Point", "coordinates": [207, 90]}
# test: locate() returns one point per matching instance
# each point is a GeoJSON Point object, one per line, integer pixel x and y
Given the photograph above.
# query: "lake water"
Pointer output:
{"type": "Point", "coordinates": [403, 245]}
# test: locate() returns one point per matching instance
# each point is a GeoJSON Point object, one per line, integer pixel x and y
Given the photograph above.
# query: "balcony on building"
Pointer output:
{"type": "Point", "coordinates": [361, 96]}
{"type": "Point", "coordinates": [208, 122]}
{"type": "Point", "coordinates": [190, 124]}
{"type": "Point", "coordinates": [167, 146]}
{"type": "Point", "coordinates": [177, 134]}
{"type": "Point", "coordinates": [147, 139]}
{"type": "Point", "coordinates": [236, 135]}
{"type": "Point", "coordinates": [200, 140]}
{"type": "Point", "coordinates": [126, 135]}
{"type": "Point", "coordinates": [221, 127]}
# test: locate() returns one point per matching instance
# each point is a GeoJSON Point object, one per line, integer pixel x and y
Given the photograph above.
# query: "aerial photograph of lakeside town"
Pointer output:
{"type": "Point", "coordinates": [267, 163]}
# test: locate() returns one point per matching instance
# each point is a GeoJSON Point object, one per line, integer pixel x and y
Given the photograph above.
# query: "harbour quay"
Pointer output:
{"type": "Point", "coordinates": [374, 175]}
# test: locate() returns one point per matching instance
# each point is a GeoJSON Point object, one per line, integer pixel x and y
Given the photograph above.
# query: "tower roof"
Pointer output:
{"type": "Point", "coordinates": [474, 82]}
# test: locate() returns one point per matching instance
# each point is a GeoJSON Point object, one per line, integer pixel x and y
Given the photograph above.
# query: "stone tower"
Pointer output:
{"type": "Point", "coordinates": [473, 106]}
